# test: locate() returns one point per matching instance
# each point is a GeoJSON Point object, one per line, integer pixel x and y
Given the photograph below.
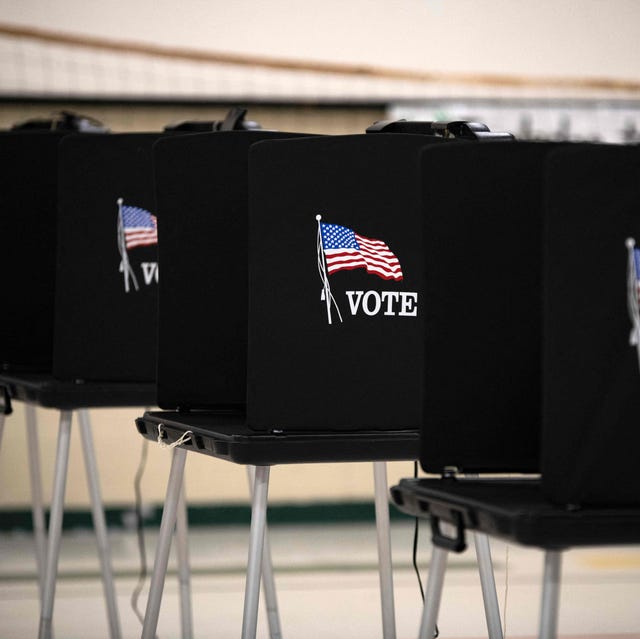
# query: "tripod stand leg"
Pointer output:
{"type": "Point", "coordinates": [37, 508]}
{"type": "Point", "coordinates": [268, 581]}
{"type": "Point", "coordinates": [1, 428]}
{"type": "Point", "coordinates": [167, 525]}
{"type": "Point", "coordinates": [256, 547]}
{"type": "Point", "coordinates": [550, 594]}
{"type": "Point", "coordinates": [55, 525]}
{"type": "Point", "coordinates": [487, 581]}
{"type": "Point", "coordinates": [433, 593]}
{"type": "Point", "coordinates": [184, 569]}
{"type": "Point", "coordinates": [384, 550]}
{"type": "Point", "coordinates": [99, 523]}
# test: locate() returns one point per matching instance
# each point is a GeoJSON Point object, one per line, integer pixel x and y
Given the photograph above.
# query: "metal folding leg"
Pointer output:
{"type": "Point", "coordinates": [1, 427]}
{"type": "Point", "coordinates": [384, 550]}
{"type": "Point", "coordinates": [256, 547]}
{"type": "Point", "coordinates": [268, 581]}
{"type": "Point", "coordinates": [488, 583]}
{"type": "Point", "coordinates": [435, 583]}
{"type": "Point", "coordinates": [433, 594]}
{"type": "Point", "coordinates": [55, 525]}
{"type": "Point", "coordinates": [99, 524]}
{"type": "Point", "coordinates": [550, 594]}
{"type": "Point", "coordinates": [167, 525]}
{"type": "Point", "coordinates": [37, 508]}
{"type": "Point", "coordinates": [184, 571]}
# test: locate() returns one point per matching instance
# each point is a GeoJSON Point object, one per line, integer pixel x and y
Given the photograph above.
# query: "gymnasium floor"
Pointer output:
{"type": "Point", "coordinates": [327, 586]}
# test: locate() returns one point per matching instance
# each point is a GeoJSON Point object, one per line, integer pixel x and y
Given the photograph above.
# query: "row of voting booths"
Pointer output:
{"type": "Point", "coordinates": [422, 291]}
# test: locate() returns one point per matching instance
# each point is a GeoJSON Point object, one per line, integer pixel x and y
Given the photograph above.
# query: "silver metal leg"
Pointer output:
{"type": "Point", "coordinates": [550, 594]}
{"type": "Point", "coordinates": [268, 581]}
{"type": "Point", "coordinates": [488, 583]}
{"type": "Point", "coordinates": [256, 547]}
{"type": "Point", "coordinates": [169, 512]}
{"type": "Point", "coordinates": [37, 508]}
{"type": "Point", "coordinates": [1, 428]}
{"type": "Point", "coordinates": [384, 550]}
{"type": "Point", "coordinates": [433, 594]}
{"type": "Point", "coordinates": [99, 524]}
{"type": "Point", "coordinates": [55, 525]}
{"type": "Point", "coordinates": [184, 570]}
{"type": "Point", "coordinates": [269, 590]}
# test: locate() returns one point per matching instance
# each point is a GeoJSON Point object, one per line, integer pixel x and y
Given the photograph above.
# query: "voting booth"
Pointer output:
{"type": "Point", "coordinates": [563, 372]}
{"type": "Point", "coordinates": [71, 339]}
{"type": "Point", "coordinates": [265, 410]}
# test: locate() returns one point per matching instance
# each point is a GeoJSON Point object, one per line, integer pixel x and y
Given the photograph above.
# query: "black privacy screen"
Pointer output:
{"type": "Point", "coordinates": [592, 381]}
{"type": "Point", "coordinates": [336, 280]}
{"type": "Point", "coordinates": [201, 188]}
{"type": "Point", "coordinates": [483, 218]}
{"type": "Point", "coordinates": [107, 265]}
{"type": "Point", "coordinates": [28, 193]}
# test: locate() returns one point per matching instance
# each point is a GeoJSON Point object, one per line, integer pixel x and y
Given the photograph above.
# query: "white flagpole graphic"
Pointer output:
{"type": "Point", "coordinates": [125, 267]}
{"type": "Point", "coordinates": [324, 276]}
{"type": "Point", "coordinates": [632, 296]}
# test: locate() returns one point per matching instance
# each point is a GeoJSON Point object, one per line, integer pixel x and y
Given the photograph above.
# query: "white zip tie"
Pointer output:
{"type": "Point", "coordinates": [183, 438]}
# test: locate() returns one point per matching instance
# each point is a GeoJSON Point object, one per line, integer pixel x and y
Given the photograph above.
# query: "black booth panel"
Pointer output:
{"type": "Point", "coordinates": [592, 382]}
{"type": "Point", "coordinates": [201, 188]}
{"type": "Point", "coordinates": [28, 191]}
{"type": "Point", "coordinates": [102, 331]}
{"type": "Point", "coordinates": [364, 371]}
{"type": "Point", "coordinates": [483, 211]}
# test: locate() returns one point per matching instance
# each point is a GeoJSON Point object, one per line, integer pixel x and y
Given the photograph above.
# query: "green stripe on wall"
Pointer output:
{"type": "Point", "coordinates": [202, 515]}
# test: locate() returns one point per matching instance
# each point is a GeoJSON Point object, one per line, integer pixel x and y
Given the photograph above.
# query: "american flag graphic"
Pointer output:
{"type": "Point", "coordinates": [633, 293]}
{"type": "Point", "coordinates": [636, 272]}
{"type": "Point", "coordinates": [345, 249]}
{"type": "Point", "coordinates": [139, 226]}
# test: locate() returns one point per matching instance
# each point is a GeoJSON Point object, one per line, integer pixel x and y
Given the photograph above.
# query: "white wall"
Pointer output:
{"type": "Point", "coordinates": [581, 39]}
{"type": "Point", "coordinates": [547, 37]}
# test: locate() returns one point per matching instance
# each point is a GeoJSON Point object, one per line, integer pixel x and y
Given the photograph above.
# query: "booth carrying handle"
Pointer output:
{"type": "Point", "coordinates": [457, 129]}
{"type": "Point", "coordinates": [235, 120]}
